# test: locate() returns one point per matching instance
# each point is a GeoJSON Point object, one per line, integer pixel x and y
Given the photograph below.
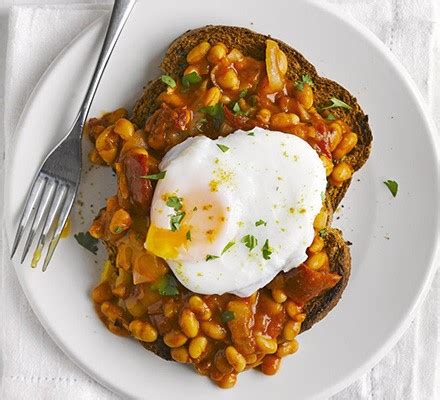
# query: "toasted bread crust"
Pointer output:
{"type": "Point", "coordinates": [253, 44]}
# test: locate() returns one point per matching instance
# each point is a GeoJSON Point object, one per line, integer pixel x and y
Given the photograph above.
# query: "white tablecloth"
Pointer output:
{"type": "Point", "coordinates": [34, 368]}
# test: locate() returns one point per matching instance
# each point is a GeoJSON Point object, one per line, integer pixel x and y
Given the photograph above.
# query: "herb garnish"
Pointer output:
{"type": "Point", "coordinates": [118, 229]}
{"type": "Point", "coordinates": [336, 103]}
{"type": "Point", "coordinates": [166, 285]}
{"type": "Point", "coordinates": [251, 133]}
{"type": "Point", "coordinates": [155, 177]}
{"type": "Point", "coordinates": [243, 93]}
{"type": "Point", "coordinates": [210, 257]}
{"type": "Point", "coordinates": [250, 241]}
{"type": "Point", "coordinates": [86, 240]}
{"type": "Point", "coordinates": [304, 79]}
{"type": "Point", "coordinates": [188, 235]}
{"type": "Point", "coordinates": [227, 316]}
{"type": "Point", "coordinates": [260, 222]}
{"type": "Point", "coordinates": [175, 220]}
{"type": "Point", "coordinates": [330, 117]}
{"type": "Point", "coordinates": [393, 186]}
{"type": "Point", "coordinates": [222, 147]}
{"type": "Point", "coordinates": [216, 113]}
{"type": "Point", "coordinates": [168, 81]}
{"type": "Point", "coordinates": [266, 250]}
{"type": "Point", "coordinates": [191, 79]}
{"type": "Point", "coordinates": [323, 232]}
{"type": "Point", "coordinates": [228, 246]}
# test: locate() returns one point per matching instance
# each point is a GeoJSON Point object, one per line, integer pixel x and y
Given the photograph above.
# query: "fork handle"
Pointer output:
{"type": "Point", "coordinates": [121, 11]}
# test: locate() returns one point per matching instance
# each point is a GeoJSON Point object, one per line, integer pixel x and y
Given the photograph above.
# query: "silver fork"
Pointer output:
{"type": "Point", "coordinates": [54, 188]}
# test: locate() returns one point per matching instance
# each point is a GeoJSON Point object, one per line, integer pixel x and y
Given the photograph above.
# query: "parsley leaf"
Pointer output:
{"type": "Point", "coordinates": [243, 93]}
{"type": "Point", "coordinates": [199, 124]}
{"type": "Point", "coordinates": [251, 133]}
{"type": "Point", "coordinates": [322, 232]}
{"type": "Point", "coordinates": [266, 250]}
{"type": "Point", "coordinates": [331, 117]}
{"type": "Point", "coordinates": [166, 285]}
{"type": "Point", "coordinates": [227, 247]}
{"type": "Point", "coordinates": [260, 222]}
{"type": "Point", "coordinates": [216, 113]}
{"type": "Point", "coordinates": [393, 186]}
{"type": "Point", "coordinates": [227, 316]}
{"type": "Point", "coordinates": [118, 229]}
{"type": "Point", "coordinates": [188, 235]}
{"type": "Point", "coordinates": [250, 241]}
{"type": "Point", "coordinates": [155, 177]}
{"type": "Point", "coordinates": [236, 108]}
{"type": "Point", "coordinates": [174, 202]}
{"type": "Point", "coordinates": [304, 79]}
{"type": "Point", "coordinates": [168, 81]}
{"type": "Point", "coordinates": [191, 79]}
{"type": "Point", "coordinates": [336, 103]}
{"type": "Point", "coordinates": [223, 148]}
{"type": "Point", "coordinates": [86, 240]}
{"type": "Point", "coordinates": [176, 219]}
{"type": "Point", "coordinates": [210, 257]}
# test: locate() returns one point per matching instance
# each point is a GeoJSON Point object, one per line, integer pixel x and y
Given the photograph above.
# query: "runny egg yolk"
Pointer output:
{"type": "Point", "coordinates": [203, 221]}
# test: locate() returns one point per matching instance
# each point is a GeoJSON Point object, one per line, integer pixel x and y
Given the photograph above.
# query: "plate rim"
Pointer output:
{"type": "Point", "coordinates": [423, 290]}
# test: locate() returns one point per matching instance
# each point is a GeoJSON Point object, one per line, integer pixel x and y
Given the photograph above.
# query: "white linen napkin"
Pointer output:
{"type": "Point", "coordinates": [34, 368]}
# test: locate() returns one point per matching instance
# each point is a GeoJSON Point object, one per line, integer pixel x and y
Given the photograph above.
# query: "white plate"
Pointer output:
{"type": "Point", "coordinates": [394, 239]}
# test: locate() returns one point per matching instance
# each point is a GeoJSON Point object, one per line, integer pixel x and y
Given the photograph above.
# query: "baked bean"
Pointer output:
{"type": "Point", "coordinates": [120, 221]}
{"type": "Point", "coordinates": [198, 53]}
{"type": "Point", "coordinates": [270, 365]}
{"type": "Point", "coordinates": [235, 55]}
{"type": "Point", "coordinates": [317, 245]}
{"type": "Point", "coordinates": [117, 330]}
{"type": "Point", "coordinates": [346, 145]}
{"type": "Point", "coordinates": [336, 135]}
{"type": "Point", "coordinates": [305, 96]}
{"type": "Point", "coordinates": [279, 295]}
{"type": "Point", "coordinates": [199, 307]}
{"type": "Point", "coordinates": [286, 348]}
{"type": "Point", "coordinates": [124, 256]}
{"type": "Point", "coordinates": [95, 158]}
{"type": "Point", "coordinates": [112, 117]}
{"type": "Point", "coordinates": [124, 128]}
{"type": "Point", "coordinates": [283, 120]}
{"type": "Point", "coordinates": [142, 331]}
{"type": "Point", "coordinates": [237, 361]}
{"type": "Point", "coordinates": [111, 311]}
{"type": "Point", "coordinates": [221, 363]}
{"type": "Point", "coordinates": [188, 323]}
{"type": "Point", "coordinates": [225, 99]}
{"type": "Point", "coordinates": [300, 317]}
{"type": "Point", "coordinates": [317, 261]}
{"type": "Point", "coordinates": [229, 80]}
{"type": "Point", "coordinates": [251, 358]}
{"type": "Point", "coordinates": [291, 329]}
{"type": "Point", "coordinates": [180, 354]}
{"type": "Point", "coordinates": [264, 115]}
{"type": "Point", "coordinates": [321, 220]}
{"type": "Point", "coordinates": [107, 145]}
{"type": "Point", "coordinates": [227, 381]}
{"type": "Point", "coordinates": [292, 308]}
{"type": "Point", "coordinates": [174, 339]}
{"type": "Point", "coordinates": [169, 309]}
{"type": "Point", "coordinates": [197, 346]}
{"type": "Point", "coordinates": [212, 97]}
{"type": "Point", "coordinates": [190, 69]}
{"type": "Point", "coordinates": [216, 53]}
{"type": "Point", "coordinates": [102, 293]}
{"type": "Point", "coordinates": [213, 330]}
{"type": "Point", "coordinates": [341, 173]}
{"type": "Point", "coordinates": [266, 344]}
{"type": "Point", "coordinates": [328, 164]}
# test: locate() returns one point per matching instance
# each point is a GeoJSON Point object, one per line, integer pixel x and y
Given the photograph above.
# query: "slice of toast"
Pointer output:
{"type": "Point", "coordinates": [253, 44]}
{"type": "Point", "coordinates": [340, 263]}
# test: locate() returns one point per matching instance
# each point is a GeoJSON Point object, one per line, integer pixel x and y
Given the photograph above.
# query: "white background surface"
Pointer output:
{"type": "Point", "coordinates": [398, 354]}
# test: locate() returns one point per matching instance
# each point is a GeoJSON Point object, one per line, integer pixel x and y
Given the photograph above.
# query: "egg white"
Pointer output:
{"type": "Point", "coordinates": [266, 176]}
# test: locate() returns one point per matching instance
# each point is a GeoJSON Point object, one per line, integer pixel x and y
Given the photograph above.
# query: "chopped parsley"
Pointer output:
{"type": "Point", "coordinates": [155, 177]}
{"type": "Point", "coordinates": [199, 124]}
{"type": "Point", "coordinates": [166, 285]}
{"type": "Point", "coordinates": [237, 110]}
{"type": "Point", "coordinates": [251, 133]}
{"type": "Point", "coordinates": [393, 186]}
{"type": "Point", "coordinates": [304, 79]}
{"type": "Point", "coordinates": [86, 240]}
{"type": "Point", "coordinates": [243, 94]}
{"type": "Point", "coordinates": [222, 147]}
{"type": "Point", "coordinates": [210, 257]}
{"type": "Point", "coordinates": [227, 316]}
{"type": "Point", "coordinates": [188, 235]}
{"type": "Point", "coordinates": [227, 247]}
{"type": "Point", "coordinates": [260, 222]}
{"type": "Point", "coordinates": [191, 79]}
{"type": "Point", "coordinates": [216, 113]}
{"type": "Point", "coordinates": [250, 241]}
{"type": "Point", "coordinates": [336, 103]}
{"type": "Point", "coordinates": [175, 220]}
{"type": "Point", "coordinates": [266, 250]}
{"type": "Point", "coordinates": [322, 232]}
{"type": "Point", "coordinates": [118, 229]}
{"type": "Point", "coordinates": [330, 117]}
{"type": "Point", "coordinates": [168, 81]}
